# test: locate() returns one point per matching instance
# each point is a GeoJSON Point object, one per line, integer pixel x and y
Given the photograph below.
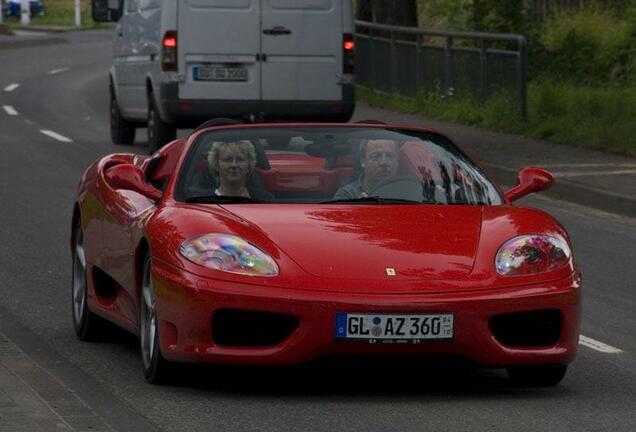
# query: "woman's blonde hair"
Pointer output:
{"type": "Point", "coordinates": [245, 146]}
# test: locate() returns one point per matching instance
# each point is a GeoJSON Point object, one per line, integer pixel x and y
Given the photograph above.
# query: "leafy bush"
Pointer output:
{"type": "Point", "coordinates": [584, 46]}
{"type": "Point", "coordinates": [626, 68]}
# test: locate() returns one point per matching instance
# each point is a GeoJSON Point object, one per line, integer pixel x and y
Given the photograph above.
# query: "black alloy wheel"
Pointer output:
{"type": "Point", "coordinates": [156, 369]}
{"type": "Point", "coordinates": [160, 133]}
{"type": "Point", "coordinates": [86, 324]}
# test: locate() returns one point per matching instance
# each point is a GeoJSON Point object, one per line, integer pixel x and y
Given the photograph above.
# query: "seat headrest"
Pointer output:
{"type": "Point", "coordinates": [417, 160]}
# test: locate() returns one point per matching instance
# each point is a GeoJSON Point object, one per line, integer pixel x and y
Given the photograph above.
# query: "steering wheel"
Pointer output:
{"type": "Point", "coordinates": [400, 187]}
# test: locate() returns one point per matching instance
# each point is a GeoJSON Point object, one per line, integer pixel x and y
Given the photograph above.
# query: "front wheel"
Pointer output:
{"type": "Point", "coordinates": [155, 367]}
{"type": "Point", "coordinates": [87, 325]}
{"type": "Point", "coordinates": [538, 376]}
{"type": "Point", "coordinates": [160, 133]}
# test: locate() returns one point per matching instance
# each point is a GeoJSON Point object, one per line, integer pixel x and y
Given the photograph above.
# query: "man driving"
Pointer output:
{"type": "Point", "coordinates": [379, 161]}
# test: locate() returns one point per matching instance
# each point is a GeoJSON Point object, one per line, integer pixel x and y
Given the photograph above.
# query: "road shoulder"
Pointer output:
{"type": "Point", "coordinates": [58, 396]}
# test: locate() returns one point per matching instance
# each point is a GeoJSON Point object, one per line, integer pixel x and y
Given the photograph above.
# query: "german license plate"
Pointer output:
{"type": "Point", "coordinates": [388, 328]}
{"type": "Point", "coordinates": [218, 73]}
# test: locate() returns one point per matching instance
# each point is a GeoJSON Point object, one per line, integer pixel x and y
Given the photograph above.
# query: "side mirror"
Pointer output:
{"type": "Point", "coordinates": [529, 180]}
{"type": "Point", "coordinates": [131, 177]}
{"type": "Point", "coordinates": [106, 10]}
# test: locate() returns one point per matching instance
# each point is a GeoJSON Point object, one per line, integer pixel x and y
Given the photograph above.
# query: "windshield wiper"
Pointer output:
{"type": "Point", "coordinates": [216, 199]}
{"type": "Point", "coordinates": [371, 199]}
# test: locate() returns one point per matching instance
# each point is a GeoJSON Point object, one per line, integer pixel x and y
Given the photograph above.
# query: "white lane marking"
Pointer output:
{"type": "Point", "coordinates": [57, 71]}
{"type": "Point", "coordinates": [598, 346]}
{"type": "Point", "coordinates": [10, 110]}
{"type": "Point", "coordinates": [594, 173]}
{"type": "Point", "coordinates": [11, 87]}
{"type": "Point", "coordinates": [55, 135]}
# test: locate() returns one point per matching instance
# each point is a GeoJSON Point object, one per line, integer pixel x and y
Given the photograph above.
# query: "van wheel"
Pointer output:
{"type": "Point", "coordinates": [121, 130]}
{"type": "Point", "coordinates": [160, 133]}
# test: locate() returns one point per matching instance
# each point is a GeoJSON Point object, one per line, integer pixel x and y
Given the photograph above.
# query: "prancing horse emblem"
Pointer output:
{"type": "Point", "coordinates": [390, 271]}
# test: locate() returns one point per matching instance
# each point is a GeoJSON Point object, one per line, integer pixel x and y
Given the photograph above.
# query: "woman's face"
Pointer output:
{"type": "Point", "coordinates": [233, 165]}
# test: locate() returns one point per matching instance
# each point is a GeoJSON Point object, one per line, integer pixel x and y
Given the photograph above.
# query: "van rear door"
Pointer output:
{"type": "Point", "coordinates": [218, 43]}
{"type": "Point", "coordinates": [302, 47]}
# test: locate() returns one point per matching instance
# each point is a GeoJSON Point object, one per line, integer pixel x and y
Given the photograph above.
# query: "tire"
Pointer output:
{"type": "Point", "coordinates": [156, 369]}
{"type": "Point", "coordinates": [121, 130]}
{"type": "Point", "coordinates": [160, 133]}
{"type": "Point", "coordinates": [87, 325]}
{"type": "Point", "coordinates": [538, 376]}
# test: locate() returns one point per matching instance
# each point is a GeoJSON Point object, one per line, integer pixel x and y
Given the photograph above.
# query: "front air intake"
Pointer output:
{"type": "Point", "coordinates": [244, 328]}
{"type": "Point", "coordinates": [527, 329]}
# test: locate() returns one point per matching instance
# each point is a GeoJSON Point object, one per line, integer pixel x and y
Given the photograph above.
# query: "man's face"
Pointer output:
{"type": "Point", "coordinates": [380, 161]}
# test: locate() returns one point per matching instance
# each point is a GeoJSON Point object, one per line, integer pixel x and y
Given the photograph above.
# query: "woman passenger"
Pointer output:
{"type": "Point", "coordinates": [231, 163]}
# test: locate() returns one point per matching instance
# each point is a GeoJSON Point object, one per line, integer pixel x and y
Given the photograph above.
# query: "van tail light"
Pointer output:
{"type": "Point", "coordinates": [348, 53]}
{"type": "Point", "coordinates": [169, 52]}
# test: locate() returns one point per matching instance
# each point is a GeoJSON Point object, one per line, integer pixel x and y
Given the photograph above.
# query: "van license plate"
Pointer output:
{"type": "Point", "coordinates": [387, 328]}
{"type": "Point", "coordinates": [217, 73]}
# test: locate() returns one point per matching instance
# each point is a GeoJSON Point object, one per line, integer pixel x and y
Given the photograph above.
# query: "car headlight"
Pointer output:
{"type": "Point", "coordinates": [530, 254]}
{"type": "Point", "coordinates": [230, 254]}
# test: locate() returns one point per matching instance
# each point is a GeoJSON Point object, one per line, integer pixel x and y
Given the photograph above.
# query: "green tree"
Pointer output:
{"type": "Point", "coordinates": [393, 12]}
{"type": "Point", "coordinates": [499, 16]}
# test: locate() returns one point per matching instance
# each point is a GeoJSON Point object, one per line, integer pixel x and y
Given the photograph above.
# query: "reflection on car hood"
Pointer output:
{"type": "Point", "coordinates": [420, 242]}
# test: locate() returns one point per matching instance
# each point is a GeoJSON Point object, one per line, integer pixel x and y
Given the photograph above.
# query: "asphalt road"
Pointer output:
{"type": "Point", "coordinates": [38, 176]}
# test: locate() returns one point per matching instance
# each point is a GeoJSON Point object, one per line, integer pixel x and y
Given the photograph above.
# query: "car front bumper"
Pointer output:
{"type": "Point", "coordinates": [186, 304]}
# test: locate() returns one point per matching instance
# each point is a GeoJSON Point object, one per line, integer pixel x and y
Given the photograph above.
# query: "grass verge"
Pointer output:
{"type": "Point", "coordinates": [593, 117]}
{"type": "Point", "coordinates": [4, 30]}
{"type": "Point", "coordinates": [57, 13]}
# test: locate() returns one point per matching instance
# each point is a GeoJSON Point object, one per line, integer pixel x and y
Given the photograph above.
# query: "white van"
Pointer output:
{"type": "Point", "coordinates": [178, 63]}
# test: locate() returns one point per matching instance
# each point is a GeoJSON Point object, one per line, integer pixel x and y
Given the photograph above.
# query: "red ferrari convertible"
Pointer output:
{"type": "Point", "coordinates": [283, 243]}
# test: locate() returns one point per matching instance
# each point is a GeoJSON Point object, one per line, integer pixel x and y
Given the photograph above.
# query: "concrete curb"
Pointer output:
{"type": "Point", "coordinates": [567, 190]}
{"type": "Point", "coordinates": [34, 399]}
{"type": "Point", "coordinates": [73, 395]}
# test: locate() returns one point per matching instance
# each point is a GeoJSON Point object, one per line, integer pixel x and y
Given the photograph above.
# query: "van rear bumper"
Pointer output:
{"type": "Point", "coordinates": [189, 113]}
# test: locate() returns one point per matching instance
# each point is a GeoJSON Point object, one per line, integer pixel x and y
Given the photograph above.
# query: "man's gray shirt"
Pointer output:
{"type": "Point", "coordinates": [351, 190]}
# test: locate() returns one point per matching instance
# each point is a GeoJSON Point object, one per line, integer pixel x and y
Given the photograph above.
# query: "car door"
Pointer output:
{"type": "Point", "coordinates": [218, 48]}
{"type": "Point", "coordinates": [123, 216]}
{"type": "Point", "coordinates": [302, 44]}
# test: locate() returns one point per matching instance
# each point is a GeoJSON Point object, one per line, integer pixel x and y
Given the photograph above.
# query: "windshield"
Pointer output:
{"type": "Point", "coordinates": [332, 164]}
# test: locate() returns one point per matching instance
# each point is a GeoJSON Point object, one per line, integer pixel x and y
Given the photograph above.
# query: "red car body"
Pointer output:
{"type": "Point", "coordinates": [332, 258]}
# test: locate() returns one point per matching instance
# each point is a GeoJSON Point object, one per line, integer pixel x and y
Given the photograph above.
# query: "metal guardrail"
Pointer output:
{"type": "Point", "coordinates": [402, 60]}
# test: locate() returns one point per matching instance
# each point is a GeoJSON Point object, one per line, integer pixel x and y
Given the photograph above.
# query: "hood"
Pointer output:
{"type": "Point", "coordinates": [402, 242]}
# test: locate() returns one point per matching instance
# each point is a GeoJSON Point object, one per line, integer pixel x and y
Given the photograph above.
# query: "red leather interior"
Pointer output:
{"type": "Point", "coordinates": [302, 173]}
